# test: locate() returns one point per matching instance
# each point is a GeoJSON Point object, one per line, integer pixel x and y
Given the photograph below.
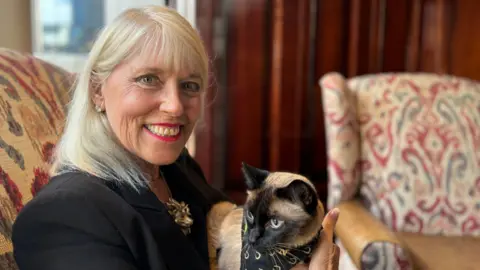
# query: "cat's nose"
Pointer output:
{"type": "Point", "coordinates": [253, 236]}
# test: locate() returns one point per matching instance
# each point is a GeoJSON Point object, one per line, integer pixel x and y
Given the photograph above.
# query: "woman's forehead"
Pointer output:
{"type": "Point", "coordinates": [156, 63]}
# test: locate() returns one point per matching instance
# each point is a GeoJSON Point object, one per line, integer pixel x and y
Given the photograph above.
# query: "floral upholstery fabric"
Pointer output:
{"type": "Point", "coordinates": [418, 142]}
{"type": "Point", "coordinates": [33, 95]}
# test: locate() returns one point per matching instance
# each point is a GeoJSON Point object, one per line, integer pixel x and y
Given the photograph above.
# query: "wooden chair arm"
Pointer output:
{"type": "Point", "coordinates": [357, 228]}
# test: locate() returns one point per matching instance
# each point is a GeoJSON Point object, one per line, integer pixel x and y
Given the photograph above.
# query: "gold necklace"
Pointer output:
{"type": "Point", "coordinates": [179, 211]}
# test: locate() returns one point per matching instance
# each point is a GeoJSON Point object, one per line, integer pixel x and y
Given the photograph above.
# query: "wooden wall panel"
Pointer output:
{"type": "Point", "coordinates": [435, 41]}
{"type": "Point", "coordinates": [364, 34]}
{"type": "Point", "coordinates": [331, 45]}
{"type": "Point", "coordinates": [289, 83]}
{"type": "Point", "coordinates": [414, 36]}
{"type": "Point", "coordinates": [277, 50]}
{"type": "Point", "coordinates": [396, 16]}
{"type": "Point", "coordinates": [464, 39]}
{"type": "Point", "coordinates": [204, 132]}
{"type": "Point", "coordinates": [247, 78]}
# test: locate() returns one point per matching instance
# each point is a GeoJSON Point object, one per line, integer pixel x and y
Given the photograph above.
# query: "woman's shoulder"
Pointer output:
{"type": "Point", "coordinates": [70, 194]}
{"type": "Point", "coordinates": [74, 213]}
{"type": "Point", "coordinates": [74, 184]}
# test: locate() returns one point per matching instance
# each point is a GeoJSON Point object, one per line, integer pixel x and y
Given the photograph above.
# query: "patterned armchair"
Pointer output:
{"type": "Point", "coordinates": [404, 168]}
{"type": "Point", "coordinates": [33, 95]}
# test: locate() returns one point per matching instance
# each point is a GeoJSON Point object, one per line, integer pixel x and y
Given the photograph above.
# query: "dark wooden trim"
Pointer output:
{"type": "Point", "coordinates": [398, 16]}
{"type": "Point", "coordinates": [247, 75]}
{"type": "Point", "coordinates": [275, 128]}
{"type": "Point", "coordinates": [464, 39]}
{"type": "Point", "coordinates": [204, 131]}
{"type": "Point", "coordinates": [375, 35]}
{"type": "Point", "coordinates": [414, 37]}
{"type": "Point", "coordinates": [441, 53]}
{"type": "Point", "coordinates": [354, 37]}
{"type": "Point", "coordinates": [290, 63]}
{"type": "Point", "coordinates": [431, 34]}
{"type": "Point", "coordinates": [331, 54]}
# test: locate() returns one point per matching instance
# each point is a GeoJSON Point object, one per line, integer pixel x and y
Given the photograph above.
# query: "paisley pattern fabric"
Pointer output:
{"type": "Point", "coordinates": [343, 139]}
{"type": "Point", "coordinates": [409, 146]}
{"type": "Point", "coordinates": [33, 95]}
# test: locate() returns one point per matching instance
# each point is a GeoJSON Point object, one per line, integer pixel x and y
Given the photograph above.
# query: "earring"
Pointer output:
{"type": "Point", "coordinates": [98, 108]}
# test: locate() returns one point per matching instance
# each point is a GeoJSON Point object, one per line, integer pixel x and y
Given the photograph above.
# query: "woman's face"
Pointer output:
{"type": "Point", "coordinates": [151, 110]}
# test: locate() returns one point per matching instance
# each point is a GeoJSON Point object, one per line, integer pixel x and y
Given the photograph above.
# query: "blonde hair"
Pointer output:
{"type": "Point", "coordinates": [88, 142]}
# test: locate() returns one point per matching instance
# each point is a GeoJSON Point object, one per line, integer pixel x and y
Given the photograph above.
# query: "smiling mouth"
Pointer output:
{"type": "Point", "coordinates": [171, 133]}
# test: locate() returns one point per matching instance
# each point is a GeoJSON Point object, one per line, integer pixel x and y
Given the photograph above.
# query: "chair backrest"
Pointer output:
{"type": "Point", "coordinates": [409, 146]}
{"type": "Point", "coordinates": [33, 98]}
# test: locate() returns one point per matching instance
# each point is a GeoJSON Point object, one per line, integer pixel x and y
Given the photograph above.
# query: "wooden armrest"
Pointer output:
{"type": "Point", "coordinates": [357, 228]}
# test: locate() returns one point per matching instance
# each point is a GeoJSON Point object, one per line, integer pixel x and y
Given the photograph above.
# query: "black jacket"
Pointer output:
{"type": "Point", "coordinates": [78, 221]}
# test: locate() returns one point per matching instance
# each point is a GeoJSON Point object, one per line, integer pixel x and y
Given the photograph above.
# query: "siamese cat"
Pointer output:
{"type": "Point", "coordinates": [277, 227]}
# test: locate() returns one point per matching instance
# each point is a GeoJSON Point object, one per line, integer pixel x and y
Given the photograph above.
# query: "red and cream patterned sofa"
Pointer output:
{"type": "Point", "coordinates": [404, 168]}
{"type": "Point", "coordinates": [33, 97]}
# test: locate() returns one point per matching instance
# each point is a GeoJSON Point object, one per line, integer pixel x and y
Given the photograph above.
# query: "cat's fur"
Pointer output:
{"type": "Point", "coordinates": [289, 197]}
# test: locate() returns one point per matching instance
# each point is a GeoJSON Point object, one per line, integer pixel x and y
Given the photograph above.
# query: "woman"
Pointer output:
{"type": "Point", "coordinates": [121, 167]}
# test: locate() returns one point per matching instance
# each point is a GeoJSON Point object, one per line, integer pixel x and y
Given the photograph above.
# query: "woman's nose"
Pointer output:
{"type": "Point", "coordinates": [171, 102]}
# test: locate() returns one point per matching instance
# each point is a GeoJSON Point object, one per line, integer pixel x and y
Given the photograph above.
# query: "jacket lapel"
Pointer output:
{"type": "Point", "coordinates": [176, 248]}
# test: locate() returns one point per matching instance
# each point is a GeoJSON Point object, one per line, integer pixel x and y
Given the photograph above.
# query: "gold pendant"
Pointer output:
{"type": "Point", "coordinates": [181, 214]}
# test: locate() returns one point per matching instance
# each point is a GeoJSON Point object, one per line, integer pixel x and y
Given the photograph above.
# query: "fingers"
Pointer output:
{"type": "Point", "coordinates": [324, 255]}
{"type": "Point", "coordinates": [335, 258]}
{"type": "Point", "coordinates": [329, 223]}
{"type": "Point", "coordinates": [301, 266]}
{"type": "Point", "coordinates": [332, 263]}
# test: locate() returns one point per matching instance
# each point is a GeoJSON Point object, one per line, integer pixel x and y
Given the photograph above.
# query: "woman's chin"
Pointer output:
{"type": "Point", "coordinates": [164, 157]}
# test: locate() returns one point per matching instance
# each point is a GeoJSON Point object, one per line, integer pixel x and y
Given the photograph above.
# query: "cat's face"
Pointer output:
{"type": "Point", "coordinates": [279, 208]}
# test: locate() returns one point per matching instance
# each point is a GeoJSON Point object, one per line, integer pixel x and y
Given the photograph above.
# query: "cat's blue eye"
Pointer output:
{"type": "Point", "coordinates": [249, 216]}
{"type": "Point", "coordinates": [276, 223]}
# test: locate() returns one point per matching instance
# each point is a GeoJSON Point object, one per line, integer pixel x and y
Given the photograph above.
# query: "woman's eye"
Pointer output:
{"type": "Point", "coordinates": [191, 86]}
{"type": "Point", "coordinates": [276, 223]}
{"type": "Point", "coordinates": [149, 80]}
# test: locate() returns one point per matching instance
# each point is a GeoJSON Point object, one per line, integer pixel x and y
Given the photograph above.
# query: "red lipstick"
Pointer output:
{"type": "Point", "coordinates": [166, 124]}
{"type": "Point", "coordinates": [156, 131]}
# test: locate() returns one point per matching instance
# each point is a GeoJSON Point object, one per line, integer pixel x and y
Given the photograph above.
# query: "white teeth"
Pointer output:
{"type": "Point", "coordinates": [163, 131]}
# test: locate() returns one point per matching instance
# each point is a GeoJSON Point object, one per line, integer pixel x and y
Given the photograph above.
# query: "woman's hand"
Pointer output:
{"type": "Point", "coordinates": [326, 255]}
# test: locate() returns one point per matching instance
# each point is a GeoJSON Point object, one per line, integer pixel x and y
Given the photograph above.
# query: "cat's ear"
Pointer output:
{"type": "Point", "coordinates": [300, 192]}
{"type": "Point", "coordinates": [254, 177]}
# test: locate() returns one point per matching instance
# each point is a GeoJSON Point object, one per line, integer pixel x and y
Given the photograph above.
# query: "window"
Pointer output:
{"type": "Point", "coordinates": [64, 30]}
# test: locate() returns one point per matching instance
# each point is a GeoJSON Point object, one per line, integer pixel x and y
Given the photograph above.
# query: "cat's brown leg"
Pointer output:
{"type": "Point", "coordinates": [215, 217]}
{"type": "Point", "coordinates": [231, 241]}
